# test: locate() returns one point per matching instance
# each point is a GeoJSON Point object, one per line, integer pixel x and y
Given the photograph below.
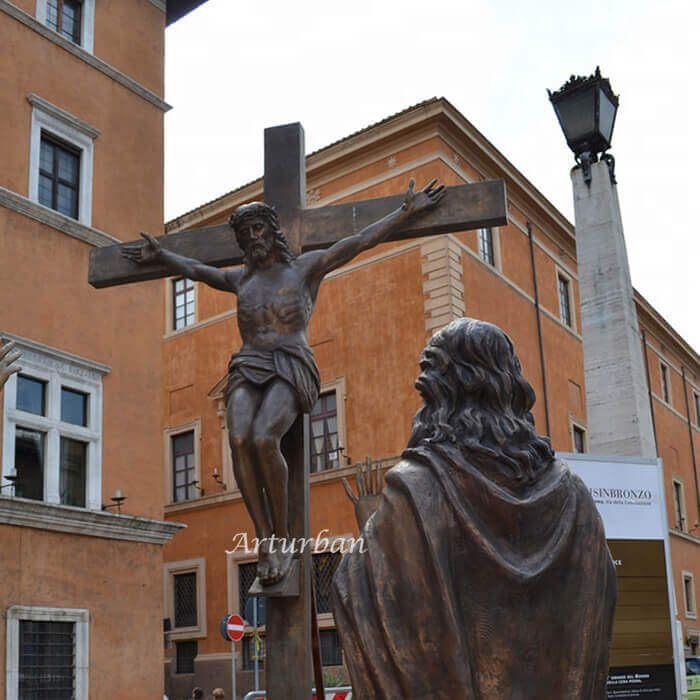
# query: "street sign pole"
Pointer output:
{"type": "Point", "coordinates": [255, 646]}
{"type": "Point", "coordinates": [233, 670]}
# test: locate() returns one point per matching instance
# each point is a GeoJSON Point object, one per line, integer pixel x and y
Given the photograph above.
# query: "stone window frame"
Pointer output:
{"type": "Point", "coordinates": [87, 22]}
{"type": "Point", "coordinates": [495, 245]}
{"type": "Point", "coordinates": [562, 274]}
{"type": "Point", "coordinates": [690, 605]}
{"type": "Point", "coordinates": [58, 369]}
{"type": "Point", "coordinates": [58, 123]}
{"type": "Point", "coordinates": [198, 566]}
{"type": "Point", "coordinates": [665, 371]}
{"type": "Point", "coordinates": [170, 329]}
{"type": "Point", "coordinates": [678, 482]}
{"type": "Point", "coordinates": [79, 616]}
{"type": "Point", "coordinates": [168, 434]}
{"type": "Point", "coordinates": [337, 385]}
{"type": "Point", "coordinates": [577, 424]}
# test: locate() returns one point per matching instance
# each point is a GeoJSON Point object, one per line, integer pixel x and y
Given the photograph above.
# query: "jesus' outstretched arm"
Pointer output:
{"type": "Point", "coordinates": [347, 248]}
{"type": "Point", "coordinates": [152, 251]}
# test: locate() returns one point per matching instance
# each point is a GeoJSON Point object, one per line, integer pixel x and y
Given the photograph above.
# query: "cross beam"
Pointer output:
{"type": "Point", "coordinates": [466, 207]}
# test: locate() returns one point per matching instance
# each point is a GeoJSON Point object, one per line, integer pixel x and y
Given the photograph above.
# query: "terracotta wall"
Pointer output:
{"type": "Point", "coordinates": [114, 581]}
{"type": "Point", "coordinates": [128, 154]}
{"type": "Point", "coordinates": [674, 448]}
{"type": "Point", "coordinates": [51, 302]}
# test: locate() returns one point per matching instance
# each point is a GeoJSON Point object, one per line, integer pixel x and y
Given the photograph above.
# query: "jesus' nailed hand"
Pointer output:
{"type": "Point", "coordinates": [273, 378]}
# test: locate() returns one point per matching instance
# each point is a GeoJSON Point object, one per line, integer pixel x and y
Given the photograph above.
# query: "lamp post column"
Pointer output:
{"type": "Point", "coordinates": [617, 401]}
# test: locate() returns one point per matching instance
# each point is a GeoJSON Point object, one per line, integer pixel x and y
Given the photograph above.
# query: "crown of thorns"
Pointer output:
{"type": "Point", "coordinates": [254, 210]}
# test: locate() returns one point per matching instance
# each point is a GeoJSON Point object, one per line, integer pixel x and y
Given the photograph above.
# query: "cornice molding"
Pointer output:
{"type": "Point", "coordinates": [329, 475]}
{"type": "Point", "coordinates": [23, 512]}
{"type": "Point", "coordinates": [62, 115]}
{"type": "Point", "coordinates": [25, 345]}
{"type": "Point", "coordinates": [683, 535]}
{"type": "Point", "coordinates": [50, 217]}
{"type": "Point", "coordinates": [102, 66]}
{"type": "Point", "coordinates": [160, 4]}
{"type": "Point", "coordinates": [649, 316]}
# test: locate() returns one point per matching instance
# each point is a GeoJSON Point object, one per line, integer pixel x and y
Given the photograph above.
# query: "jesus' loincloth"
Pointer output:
{"type": "Point", "coordinates": [293, 364]}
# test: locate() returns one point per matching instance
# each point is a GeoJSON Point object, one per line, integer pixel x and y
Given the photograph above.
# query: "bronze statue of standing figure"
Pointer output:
{"type": "Point", "coordinates": [273, 377]}
{"type": "Point", "coordinates": [486, 573]}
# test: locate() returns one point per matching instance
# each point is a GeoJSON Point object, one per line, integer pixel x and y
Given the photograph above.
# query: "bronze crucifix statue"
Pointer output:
{"type": "Point", "coordinates": [273, 377]}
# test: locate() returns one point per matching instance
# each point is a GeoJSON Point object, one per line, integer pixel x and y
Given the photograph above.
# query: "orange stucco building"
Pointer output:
{"type": "Point", "coordinates": [371, 321]}
{"type": "Point", "coordinates": [81, 138]}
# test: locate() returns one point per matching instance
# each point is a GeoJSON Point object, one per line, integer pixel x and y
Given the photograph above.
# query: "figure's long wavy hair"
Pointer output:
{"type": "Point", "coordinates": [268, 215]}
{"type": "Point", "coordinates": [476, 398]}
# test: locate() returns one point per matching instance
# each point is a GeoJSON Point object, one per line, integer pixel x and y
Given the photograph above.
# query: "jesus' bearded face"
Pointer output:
{"type": "Point", "coordinates": [256, 238]}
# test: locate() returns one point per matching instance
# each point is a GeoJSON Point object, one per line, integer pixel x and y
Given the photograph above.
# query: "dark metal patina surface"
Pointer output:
{"type": "Point", "coordinates": [487, 573]}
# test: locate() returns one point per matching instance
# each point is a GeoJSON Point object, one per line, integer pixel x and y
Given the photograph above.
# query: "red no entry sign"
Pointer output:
{"type": "Point", "coordinates": [235, 627]}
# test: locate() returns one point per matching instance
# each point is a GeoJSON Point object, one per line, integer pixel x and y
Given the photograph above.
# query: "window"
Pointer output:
{"type": "Point", "coordinates": [183, 303]}
{"type": "Point", "coordinates": [331, 651]}
{"type": "Point", "coordinates": [324, 433]}
{"type": "Point", "coordinates": [63, 16]}
{"type": "Point", "coordinates": [486, 251]}
{"type": "Point", "coordinates": [59, 173]}
{"type": "Point", "coordinates": [60, 160]}
{"type": "Point", "coordinates": [46, 659]}
{"type": "Point", "coordinates": [665, 385]}
{"type": "Point", "coordinates": [72, 19]}
{"type": "Point", "coordinates": [184, 481]}
{"type": "Point", "coordinates": [185, 653]}
{"type": "Point", "coordinates": [47, 653]}
{"type": "Point", "coordinates": [579, 439]}
{"type": "Point", "coordinates": [696, 401]}
{"type": "Point", "coordinates": [52, 424]}
{"type": "Point", "coordinates": [689, 594]}
{"type": "Point", "coordinates": [564, 300]}
{"type": "Point", "coordinates": [182, 462]}
{"type": "Point", "coordinates": [246, 577]}
{"type": "Point", "coordinates": [324, 565]}
{"type": "Point", "coordinates": [185, 598]}
{"type": "Point", "coordinates": [679, 504]}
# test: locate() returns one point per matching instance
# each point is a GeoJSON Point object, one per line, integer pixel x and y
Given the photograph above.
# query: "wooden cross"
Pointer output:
{"type": "Point", "coordinates": [288, 628]}
{"type": "Point", "coordinates": [465, 207]}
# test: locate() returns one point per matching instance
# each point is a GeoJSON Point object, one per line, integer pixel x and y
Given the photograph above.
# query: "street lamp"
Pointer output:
{"type": "Point", "coordinates": [586, 109]}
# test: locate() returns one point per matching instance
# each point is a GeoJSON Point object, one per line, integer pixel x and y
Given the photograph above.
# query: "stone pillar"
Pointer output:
{"type": "Point", "coordinates": [617, 402]}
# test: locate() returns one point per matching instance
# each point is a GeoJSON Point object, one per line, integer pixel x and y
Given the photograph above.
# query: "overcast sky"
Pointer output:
{"type": "Point", "coordinates": [233, 68]}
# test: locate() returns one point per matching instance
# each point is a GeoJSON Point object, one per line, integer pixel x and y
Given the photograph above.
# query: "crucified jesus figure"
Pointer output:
{"type": "Point", "coordinates": [273, 377]}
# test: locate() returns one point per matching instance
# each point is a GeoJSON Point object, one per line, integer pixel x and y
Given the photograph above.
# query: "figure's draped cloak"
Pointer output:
{"type": "Point", "coordinates": [467, 590]}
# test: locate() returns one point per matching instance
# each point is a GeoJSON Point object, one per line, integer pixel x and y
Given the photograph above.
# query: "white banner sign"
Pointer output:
{"type": "Point", "coordinates": [627, 492]}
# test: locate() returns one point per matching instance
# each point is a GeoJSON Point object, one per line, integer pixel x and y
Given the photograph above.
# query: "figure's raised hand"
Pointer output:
{"type": "Point", "coordinates": [145, 252]}
{"type": "Point", "coordinates": [368, 482]}
{"type": "Point", "coordinates": [427, 198]}
{"type": "Point", "coordinates": [7, 357]}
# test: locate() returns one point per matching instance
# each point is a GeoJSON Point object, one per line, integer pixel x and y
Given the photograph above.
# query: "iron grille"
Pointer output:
{"type": "Point", "coordinates": [185, 653]}
{"type": "Point", "coordinates": [251, 649]}
{"type": "Point", "coordinates": [185, 599]}
{"type": "Point", "coordinates": [331, 650]}
{"type": "Point", "coordinates": [324, 566]}
{"type": "Point", "coordinates": [246, 576]}
{"type": "Point", "coordinates": [46, 660]}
